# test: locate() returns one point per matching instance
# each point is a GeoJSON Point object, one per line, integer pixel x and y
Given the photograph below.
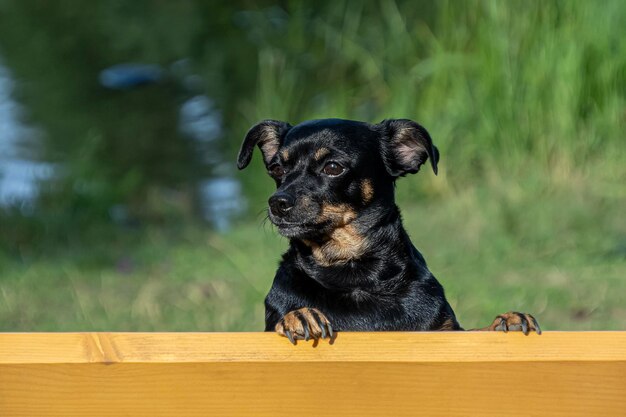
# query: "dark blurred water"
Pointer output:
{"type": "Point", "coordinates": [219, 194]}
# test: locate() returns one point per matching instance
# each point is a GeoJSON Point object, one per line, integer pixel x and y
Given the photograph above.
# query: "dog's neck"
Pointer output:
{"type": "Point", "coordinates": [372, 256]}
{"type": "Point", "coordinates": [342, 245]}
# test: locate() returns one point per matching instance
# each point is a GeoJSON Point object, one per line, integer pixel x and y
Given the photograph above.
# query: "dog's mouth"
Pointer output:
{"type": "Point", "coordinates": [300, 230]}
{"type": "Point", "coordinates": [312, 224]}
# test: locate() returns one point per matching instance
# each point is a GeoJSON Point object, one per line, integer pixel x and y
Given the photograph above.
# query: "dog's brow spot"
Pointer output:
{"type": "Point", "coordinates": [320, 153]}
{"type": "Point", "coordinates": [285, 154]}
{"type": "Point", "coordinates": [367, 190]}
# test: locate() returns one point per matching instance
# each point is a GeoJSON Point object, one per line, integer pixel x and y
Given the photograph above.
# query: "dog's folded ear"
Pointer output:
{"type": "Point", "coordinates": [406, 146]}
{"type": "Point", "coordinates": [269, 135]}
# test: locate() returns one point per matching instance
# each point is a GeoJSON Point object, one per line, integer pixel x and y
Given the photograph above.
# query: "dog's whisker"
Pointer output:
{"type": "Point", "coordinates": [262, 213]}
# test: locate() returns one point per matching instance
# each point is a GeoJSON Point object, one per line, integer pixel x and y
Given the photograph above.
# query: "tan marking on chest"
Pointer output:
{"type": "Point", "coordinates": [285, 154]}
{"type": "Point", "coordinates": [344, 243]}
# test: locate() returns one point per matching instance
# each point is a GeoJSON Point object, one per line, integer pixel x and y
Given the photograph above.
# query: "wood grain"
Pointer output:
{"type": "Point", "coordinates": [360, 374]}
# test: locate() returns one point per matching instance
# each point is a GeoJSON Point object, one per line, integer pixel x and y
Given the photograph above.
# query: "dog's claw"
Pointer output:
{"type": "Point", "coordinates": [523, 322]}
{"type": "Point", "coordinates": [503, 325]}
{"type": "Point", "coordinates": [319, 322]}
{"type": "Point", "coordinates": [537, 328]}
{"type": "Point", "coordinates": [290, 337]}
{"type": "Point", "coordinates": [323, 330]}
{"type": "Point", "coordinates": [330, 330]}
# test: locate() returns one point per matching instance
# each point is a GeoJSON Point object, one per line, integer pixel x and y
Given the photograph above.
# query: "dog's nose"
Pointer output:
{"type": "Point", "coordinates": [281, 203]}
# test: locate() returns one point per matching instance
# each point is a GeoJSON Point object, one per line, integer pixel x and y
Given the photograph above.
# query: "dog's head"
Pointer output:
{"type": "Point", "coordinates": [328, 172]}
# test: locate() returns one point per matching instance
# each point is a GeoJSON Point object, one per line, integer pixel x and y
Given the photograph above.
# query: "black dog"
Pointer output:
{"type": "Point", "coordinates": [350, 263]}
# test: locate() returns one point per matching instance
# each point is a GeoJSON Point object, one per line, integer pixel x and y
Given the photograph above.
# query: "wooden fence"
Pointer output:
{"type": "Point", "coordinates": [359, 374]}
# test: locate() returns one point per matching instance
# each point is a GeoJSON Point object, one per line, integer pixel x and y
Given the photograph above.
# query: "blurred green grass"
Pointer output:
{"type": "Point", "coordinates": [492, 251]}
{"type": "Point", "coordinates": [526, 102]}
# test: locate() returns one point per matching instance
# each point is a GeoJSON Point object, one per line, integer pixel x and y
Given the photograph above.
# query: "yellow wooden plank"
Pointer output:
{"type": "Point", "coordinates": [348, 347]}
{"type": "Point", "coordinates": [361, 374]}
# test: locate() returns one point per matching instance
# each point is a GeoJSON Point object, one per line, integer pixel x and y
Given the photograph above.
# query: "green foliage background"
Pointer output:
{"type": "Point", "coordinates": [525, 100]}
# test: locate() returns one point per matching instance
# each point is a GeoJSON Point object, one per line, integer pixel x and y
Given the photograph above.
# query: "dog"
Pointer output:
{"type": "Point", "coordinates": [350, 265]}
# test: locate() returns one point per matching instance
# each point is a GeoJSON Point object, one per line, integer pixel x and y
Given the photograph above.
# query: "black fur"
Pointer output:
{"type": "Point", "coordinates": [349, 257]}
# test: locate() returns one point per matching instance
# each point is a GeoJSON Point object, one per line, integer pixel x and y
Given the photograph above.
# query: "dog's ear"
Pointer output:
{"type": "Point", "coordinates": [405, 147]}
{"type": "Point", "coordinates": [269, 135]}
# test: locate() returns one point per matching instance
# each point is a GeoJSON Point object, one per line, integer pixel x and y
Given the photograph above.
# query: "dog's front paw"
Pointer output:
{"type": "Point", "coordinates": [515, 321]}
{"type": "Point", "coordinates": [305, 323]}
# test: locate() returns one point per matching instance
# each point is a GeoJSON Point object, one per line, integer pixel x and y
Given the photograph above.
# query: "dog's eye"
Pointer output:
{"type": "Point", "coordinates": [276, 171]}
{"type": "Point", "coordinates": [333, 169]}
